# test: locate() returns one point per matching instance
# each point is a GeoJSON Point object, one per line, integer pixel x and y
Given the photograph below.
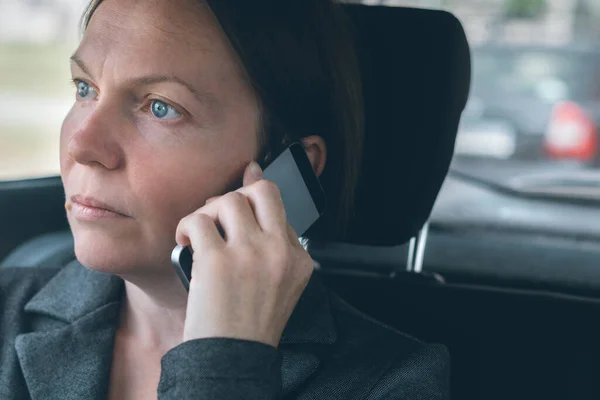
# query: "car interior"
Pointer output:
{"type": "Point", "coordinates": [508, 338]}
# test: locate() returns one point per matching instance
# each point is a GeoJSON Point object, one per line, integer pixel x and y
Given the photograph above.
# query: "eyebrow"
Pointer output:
{"type": "Point", "coordinates": [203, 97]}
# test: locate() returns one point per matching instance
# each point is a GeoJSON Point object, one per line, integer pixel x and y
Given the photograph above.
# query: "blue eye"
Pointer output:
{"type": "Point", "coordinates": [162, 110]}
{"type": "Point", "coordinates": [84, 90]}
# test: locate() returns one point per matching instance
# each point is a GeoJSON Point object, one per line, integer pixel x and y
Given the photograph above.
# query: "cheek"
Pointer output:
{"type": "Point", "coordinates": [66, 132]}
{"type": "Point", "coordinates": [70, 125]}
{"type": "Point", "coordinates": [174, 182]}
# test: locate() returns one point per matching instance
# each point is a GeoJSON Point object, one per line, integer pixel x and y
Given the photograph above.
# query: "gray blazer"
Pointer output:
{"type": "Point", "coordinates": [58, 326]}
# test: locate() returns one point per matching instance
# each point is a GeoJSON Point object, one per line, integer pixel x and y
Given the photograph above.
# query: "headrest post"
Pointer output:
{"type": "Point", "coordinates": [412, 246]}
{"type": "Point", "coordinates": [420, 250]}
{"type": "Point", "coordinates": [416, 251]}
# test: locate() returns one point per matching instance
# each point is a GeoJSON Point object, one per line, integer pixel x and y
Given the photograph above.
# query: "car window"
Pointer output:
{"type": "Point", "coordinates": [534, 106]}
{"type": "Point", "coordinates": [36, 41]}
{"type": "Point", "coordinates": [543, 75]}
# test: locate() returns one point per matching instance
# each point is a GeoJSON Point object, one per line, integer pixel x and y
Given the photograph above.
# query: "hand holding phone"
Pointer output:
{"type": "Point", "coordinates": [249, 275]}
{"type": "Point", "coordinates": [301, 193]}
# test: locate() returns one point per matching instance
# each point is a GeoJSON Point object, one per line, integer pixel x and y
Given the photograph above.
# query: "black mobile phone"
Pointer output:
{"type": "Point", "coordinates": [301, 192]}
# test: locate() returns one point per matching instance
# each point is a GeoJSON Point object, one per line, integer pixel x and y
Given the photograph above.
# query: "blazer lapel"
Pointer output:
{"type": "Point", "coordinates": [296, 368]}
{"type": "Point", "coordinates": [310, 325]}
{"type": "Point", "coordinates": [71, 362]}
{"type": "Point", "coordinates": [69, 352]}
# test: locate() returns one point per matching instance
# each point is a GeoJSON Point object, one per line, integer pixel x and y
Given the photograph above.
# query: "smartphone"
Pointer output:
{"type": "Point", "coordinates": [303, 199]}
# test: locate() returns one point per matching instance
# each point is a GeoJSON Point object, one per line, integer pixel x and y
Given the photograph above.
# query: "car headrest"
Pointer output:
{"type": "Point", "coordinates": [416, 74]}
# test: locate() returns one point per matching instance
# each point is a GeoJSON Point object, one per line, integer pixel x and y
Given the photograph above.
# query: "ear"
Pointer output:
{"type": "Point", "coordinates": [317, 152]}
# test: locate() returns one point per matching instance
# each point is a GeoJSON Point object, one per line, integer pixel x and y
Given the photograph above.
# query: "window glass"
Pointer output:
{"type": "Point", "coordinates": [534, 104]}
{"type": "Point", "coordinates": [36, 41]}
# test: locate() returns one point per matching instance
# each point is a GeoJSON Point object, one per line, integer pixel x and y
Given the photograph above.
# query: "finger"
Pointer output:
{"type": "Point", "coordinates": [198, 231]}
{"type": "Point", "coordinates": [211, 199]}
{"type": "Point", "coordinates": [252, 174]}
{"type": "Point", "coordinates": [266, 201]}
{"type": "Point", "coordinates": [233, 213]}
{"type": "Point", "coordinates": [266, 204]}
{"type": "Point", "coordinates": [292, 235]}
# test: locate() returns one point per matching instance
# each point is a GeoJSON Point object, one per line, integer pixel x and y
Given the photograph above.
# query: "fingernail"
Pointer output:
{"type": "Point", "coordinates": [255, 170]}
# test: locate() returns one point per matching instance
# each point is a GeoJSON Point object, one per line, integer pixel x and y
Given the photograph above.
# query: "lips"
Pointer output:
{"type": "Point", "coordinates": [95, 204]}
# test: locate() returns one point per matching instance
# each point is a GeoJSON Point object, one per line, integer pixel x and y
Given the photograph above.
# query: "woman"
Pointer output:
{"type": "Point", "coordinates": [175, 101]}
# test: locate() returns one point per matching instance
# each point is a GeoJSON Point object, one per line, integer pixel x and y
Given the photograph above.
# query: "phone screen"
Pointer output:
{"type": "Point", "coordinates": [302, 195]}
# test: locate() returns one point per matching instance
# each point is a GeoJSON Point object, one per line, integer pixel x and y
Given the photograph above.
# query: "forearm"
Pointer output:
{"type": "Point", "coordinates": [220, 369]}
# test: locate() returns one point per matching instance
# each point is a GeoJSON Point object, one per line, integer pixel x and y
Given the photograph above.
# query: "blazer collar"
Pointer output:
{"type": "Point", "coordinates": [69, 352]}
{"type": "Point", "coordinates": [74, 292]}
{"type": "Point", "coordinates": [75, 320]}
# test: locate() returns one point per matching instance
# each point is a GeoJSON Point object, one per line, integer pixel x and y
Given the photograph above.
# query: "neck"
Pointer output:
{"type": "Point", "coordinates": [154, 310]}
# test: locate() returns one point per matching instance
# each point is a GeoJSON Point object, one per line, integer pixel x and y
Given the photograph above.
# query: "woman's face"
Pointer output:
{"type": "Point", "coordinates": [163, 120]}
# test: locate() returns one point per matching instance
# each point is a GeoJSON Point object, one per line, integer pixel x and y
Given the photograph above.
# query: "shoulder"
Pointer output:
{"type": "Point", "coordinates": [360, 328]}
{"type": "Point", "coordinates": [23, 283]}
{"type": "Point", "coordinates": [397, 365]}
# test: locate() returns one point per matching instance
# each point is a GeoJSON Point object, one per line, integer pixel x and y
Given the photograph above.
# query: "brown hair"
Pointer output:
{"type": "Point", "coordinates": [300, 58]}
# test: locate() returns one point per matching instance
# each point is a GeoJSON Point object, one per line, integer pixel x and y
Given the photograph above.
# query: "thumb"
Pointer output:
{"type": "Point", "coordinates": [253, 173]}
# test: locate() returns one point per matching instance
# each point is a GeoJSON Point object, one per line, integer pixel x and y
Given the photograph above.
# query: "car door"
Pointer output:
{"type": "Point", "coordinates": [28, 209]}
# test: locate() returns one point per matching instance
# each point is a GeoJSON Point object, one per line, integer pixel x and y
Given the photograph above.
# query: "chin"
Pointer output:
{"type": "Point", "coordinates": [115, 255]}
{"type": "Point", "coordinates": [100, 254]}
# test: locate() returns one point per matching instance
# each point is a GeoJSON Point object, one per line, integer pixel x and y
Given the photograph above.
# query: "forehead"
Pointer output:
{"type": "Point", "coordinates": [173, 36]}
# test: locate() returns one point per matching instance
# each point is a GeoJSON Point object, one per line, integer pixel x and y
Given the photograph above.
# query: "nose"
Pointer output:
{"type": "Point", "coordinates": [94, 144]}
